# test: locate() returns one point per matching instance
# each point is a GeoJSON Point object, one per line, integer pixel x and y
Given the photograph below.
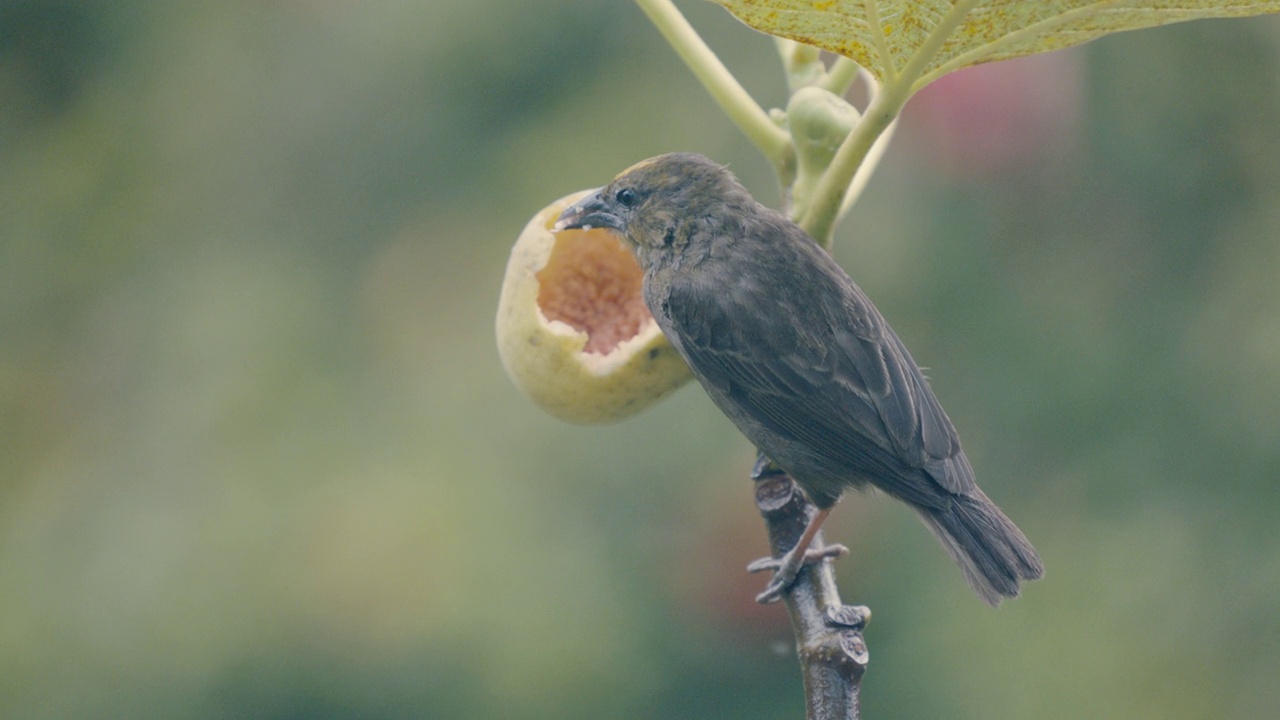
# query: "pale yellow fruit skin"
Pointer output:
{"type": "Point", "coordinates": [545, 358]}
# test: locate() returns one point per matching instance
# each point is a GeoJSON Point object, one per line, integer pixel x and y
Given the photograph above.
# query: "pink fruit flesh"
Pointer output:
{"type": "Point", "coordinates": [593, 284]}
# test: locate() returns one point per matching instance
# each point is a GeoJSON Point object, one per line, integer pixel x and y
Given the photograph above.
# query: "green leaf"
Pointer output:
{"type": "Point", "coordinates": [917, 42]}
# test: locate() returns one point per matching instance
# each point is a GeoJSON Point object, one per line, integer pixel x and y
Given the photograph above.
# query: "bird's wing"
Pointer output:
{"type": "Point", "coordinates": [842, 384]}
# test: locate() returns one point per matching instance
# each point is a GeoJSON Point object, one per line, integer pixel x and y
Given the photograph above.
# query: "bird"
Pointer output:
{"type": "Point", "coordinates": [792, 351]}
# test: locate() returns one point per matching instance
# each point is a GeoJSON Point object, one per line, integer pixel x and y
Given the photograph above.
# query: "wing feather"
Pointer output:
{"type": "Point", "coordinates": [842, 385]}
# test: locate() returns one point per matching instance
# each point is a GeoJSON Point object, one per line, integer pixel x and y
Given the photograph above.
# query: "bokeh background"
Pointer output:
{"type": "Point", "coordinates": [258, 457]}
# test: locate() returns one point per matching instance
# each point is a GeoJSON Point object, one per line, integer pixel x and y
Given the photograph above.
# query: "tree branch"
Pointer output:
{"type": "Point", "coordinates": [832, 652]}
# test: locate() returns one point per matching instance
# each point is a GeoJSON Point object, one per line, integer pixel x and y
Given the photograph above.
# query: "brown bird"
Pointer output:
{"type": "Point", "coordinates": [795, 354]}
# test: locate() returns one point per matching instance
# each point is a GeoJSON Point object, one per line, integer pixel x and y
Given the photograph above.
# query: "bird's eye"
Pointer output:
{"type": "Point", "coordinates": [627, 197]}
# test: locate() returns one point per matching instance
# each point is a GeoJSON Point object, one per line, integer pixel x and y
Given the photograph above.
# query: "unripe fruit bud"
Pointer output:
{"type": "Point", "coordinates": [819, 121]}
{"type": "Point", "coordinates": [573, 330]}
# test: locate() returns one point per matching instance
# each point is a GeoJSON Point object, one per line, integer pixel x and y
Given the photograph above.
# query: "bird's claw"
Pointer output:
{"type": "Point", "coordinates": [810, 557]}
{"type": "Point", "coordinates": [787, 568]}
{"type": "Point", "coordinates": [773, 592]}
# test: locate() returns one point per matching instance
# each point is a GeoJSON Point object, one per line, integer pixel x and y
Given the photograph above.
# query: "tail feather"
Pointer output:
{"type": "Point", "coordinates": [991, 551]}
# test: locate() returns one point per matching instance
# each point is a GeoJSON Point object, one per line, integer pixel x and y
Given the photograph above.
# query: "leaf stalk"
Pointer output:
{"type": "Point", "coordinates": [742, 109]}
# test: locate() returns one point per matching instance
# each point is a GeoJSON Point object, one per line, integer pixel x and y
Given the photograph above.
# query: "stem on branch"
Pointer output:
{"type": "Point", "coordinates": [742, 109]}
{"type": "Point", "coordinates": [840, 75]}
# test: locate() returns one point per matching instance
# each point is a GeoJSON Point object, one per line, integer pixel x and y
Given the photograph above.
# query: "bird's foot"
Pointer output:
{"type": "Point", "coordinates": [787, 568]}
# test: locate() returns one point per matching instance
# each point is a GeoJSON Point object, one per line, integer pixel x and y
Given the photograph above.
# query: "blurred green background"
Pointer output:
{"type": "Point", "coordinates": [258, 458]}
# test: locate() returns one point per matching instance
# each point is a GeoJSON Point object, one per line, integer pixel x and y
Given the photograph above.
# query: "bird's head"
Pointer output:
{"type": "Point", "coordinates": [656, 203]}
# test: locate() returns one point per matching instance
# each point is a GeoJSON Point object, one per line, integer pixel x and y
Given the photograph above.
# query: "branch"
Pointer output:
{"type": "Point", "coordinates": [751, 119]}
{"type": "Point", "coordinates": [832, 652]}
{"type": "Point", "coordinates": [840, 76]}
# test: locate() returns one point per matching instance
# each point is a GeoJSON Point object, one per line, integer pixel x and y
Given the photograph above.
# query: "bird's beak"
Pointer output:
{"type": "Point", "coordinates": [592, 211]}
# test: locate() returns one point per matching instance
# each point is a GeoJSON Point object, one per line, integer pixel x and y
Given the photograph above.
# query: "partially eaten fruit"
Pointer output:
{"type": "Point", "coordinates": [573, 330]}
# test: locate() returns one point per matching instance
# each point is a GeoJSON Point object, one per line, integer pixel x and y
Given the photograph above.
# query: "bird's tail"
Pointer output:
{"type": "Point", "coordinates": [991, 551]}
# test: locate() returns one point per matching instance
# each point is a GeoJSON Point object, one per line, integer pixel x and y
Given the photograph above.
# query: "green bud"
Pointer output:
{"type": "Point", "coordinates": [819, 121]}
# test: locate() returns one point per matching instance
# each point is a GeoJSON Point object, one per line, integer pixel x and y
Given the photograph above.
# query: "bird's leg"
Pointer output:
{"type": "Point", "coordinates": [787, 567]}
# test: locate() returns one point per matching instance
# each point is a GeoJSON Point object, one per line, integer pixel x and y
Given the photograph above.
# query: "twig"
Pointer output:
{"type": "Point", "coordinates": [832, 652]}
{"type": "Point", "coordinates": [742, 109]}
